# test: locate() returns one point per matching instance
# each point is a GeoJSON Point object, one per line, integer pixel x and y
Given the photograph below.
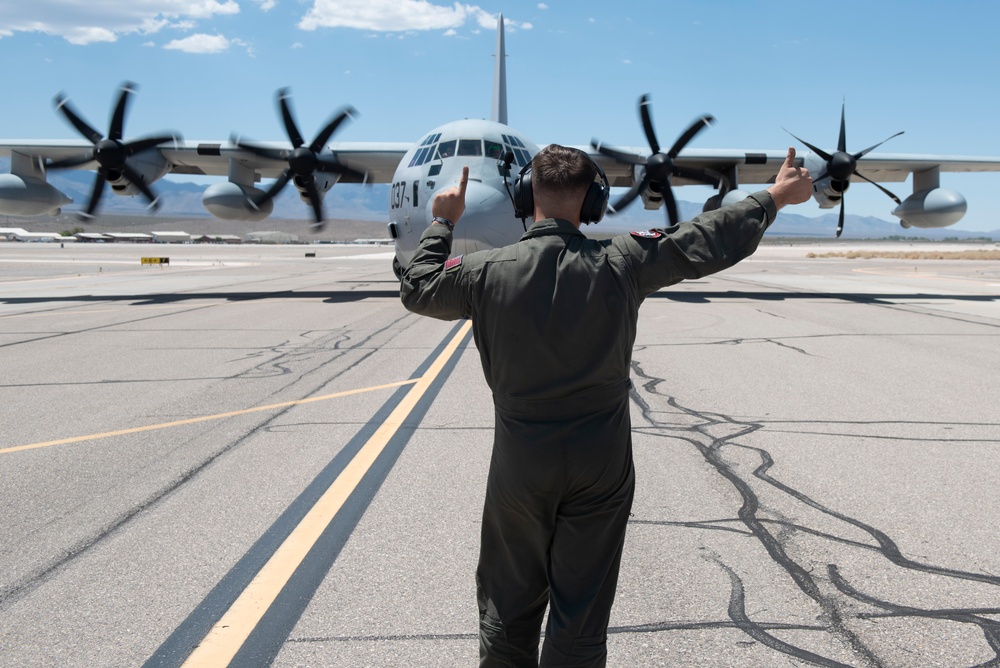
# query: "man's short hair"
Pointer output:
{"type": "Point", "coordinates": [560, 171]}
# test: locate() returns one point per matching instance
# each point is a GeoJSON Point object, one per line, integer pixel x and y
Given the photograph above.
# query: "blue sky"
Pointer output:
{"type": "Point", "coordinates": [575, 71]}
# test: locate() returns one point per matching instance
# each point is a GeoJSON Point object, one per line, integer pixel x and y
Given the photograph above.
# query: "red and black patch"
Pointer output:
{"type": "Point", "coordinates": [646, 234]}
{"type": "Point", "coordinates": [453, 263]}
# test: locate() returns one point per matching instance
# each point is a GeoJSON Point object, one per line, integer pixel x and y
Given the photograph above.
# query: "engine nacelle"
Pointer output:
{"type": "Point", "coordinates": [232, 201]}
{"type": "Point", "coordinates": [718, 201]}
{"type": "Point", "coordinates": [149, 165]}
{"type": "Point", "coordinates": [934, 207]}
{"type": "Point", "coordinates": [21, 196]}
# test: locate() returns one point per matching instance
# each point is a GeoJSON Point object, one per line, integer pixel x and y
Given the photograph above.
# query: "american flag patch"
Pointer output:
{"type": "Point", "coordinates": [452, 263]}
{"type": "Point", "coordinates": [647, 234]}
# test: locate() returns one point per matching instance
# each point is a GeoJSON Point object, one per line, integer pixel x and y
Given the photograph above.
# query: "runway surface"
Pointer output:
{"type": "Point", "coordinates": [253, 457]}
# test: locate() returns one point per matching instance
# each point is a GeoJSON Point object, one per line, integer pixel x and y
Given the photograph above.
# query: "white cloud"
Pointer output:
{"type": "Point", "coordinates": [267, 5]}
{"type": "Point", "coordinates": [542, 5]}
{"type": "Point", "coordinates": [398, 16]}
{"type": "Point", "coordinates": [200, 43]}
{"type": "Point", "coordinates": [383, 15]}
{"type": "Point", "coordinates": [105, 20]}
{"type": "Point", "coordinates": [450, 32]}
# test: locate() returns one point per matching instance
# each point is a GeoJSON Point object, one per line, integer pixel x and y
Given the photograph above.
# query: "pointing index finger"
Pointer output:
{"type": "Point", "coordinates": [464, 181]}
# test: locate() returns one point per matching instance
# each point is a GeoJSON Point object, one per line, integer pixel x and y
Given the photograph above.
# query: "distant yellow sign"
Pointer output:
{"type": "Point", "coordinates": [156, 260]}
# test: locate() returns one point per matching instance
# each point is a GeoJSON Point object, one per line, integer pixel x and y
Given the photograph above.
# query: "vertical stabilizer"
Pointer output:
{"type": "Point", "coordinates": [500, 78]}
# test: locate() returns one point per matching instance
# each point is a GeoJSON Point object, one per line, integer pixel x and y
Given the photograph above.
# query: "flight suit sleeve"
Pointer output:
{"type": "Point", "coordinates": [431, 284]}
{"type": "Point", "coordinates": [707, 244]}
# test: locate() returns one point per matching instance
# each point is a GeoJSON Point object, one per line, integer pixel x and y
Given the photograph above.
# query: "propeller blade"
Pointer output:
{"type": "Point", "coordinates": [891, 196]}
{"type": "Point", "coordinates": [620, 156]}
{"type": "Point", "coordinates": [63, 106]}
{"type": "Point", "coordinates": [140, 145]}
{"type": "Point", "coordinates": [647, 123]}
{"type": "Point", "coordinates": [274, 189]}
{"type": "Point", "coordinates": [627, 198]}
{"type": "Point", "coordinates": [689, 134]}
{"type": "Point", "coordinates": [66, 163]}
{"type": "Point", "coordinates": [818, 151]}
{"type": "Point", "coordinates": [262, 151]}
{"type": "Point", "coordinates": [95, 196]}
{"type": "Point", "coordinates": [118, 119]}
{"type": "Point", "coordinates": [670, 203]}
{"type": "Point", "coordinates": [842, 141]}
{"type": "Point", "coordinates": [699, 175]}
{"type": "Point", "coordinates": [317, 204]}
{"type": "Point", "coordinates": [324, 136]}
{"type": "Point", "coordinates": [334, 167]}
{"type": "Point", "coordinates": [858, 156]}
{"type": "Point", "coordinates": [840, 222]}
{"type": "Point", "coordinates": [136, 180]}
{"type": "Point", "coordinates": [286, 114]}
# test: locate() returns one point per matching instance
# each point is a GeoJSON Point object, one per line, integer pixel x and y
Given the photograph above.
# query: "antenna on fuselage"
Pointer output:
{"type": "Point", "coordinates": [500, 78]}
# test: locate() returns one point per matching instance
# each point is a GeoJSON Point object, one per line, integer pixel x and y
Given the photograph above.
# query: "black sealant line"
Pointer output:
{"type": "Point", "coordinates": [179, 645]}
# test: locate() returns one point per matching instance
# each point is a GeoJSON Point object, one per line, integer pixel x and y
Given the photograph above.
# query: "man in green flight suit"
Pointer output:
{"type": "Point", "coordinates": [554, 319]}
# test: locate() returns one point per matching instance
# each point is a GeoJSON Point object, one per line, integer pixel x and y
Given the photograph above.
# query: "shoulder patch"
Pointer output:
{"type": "Point", "coordinates": [646, 234]}
{"type": "Point", "coordinates": [453, 263]}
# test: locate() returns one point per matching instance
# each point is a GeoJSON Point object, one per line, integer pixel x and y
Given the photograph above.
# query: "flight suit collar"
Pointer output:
{"type": "Point", "coordinates": [549, 226]}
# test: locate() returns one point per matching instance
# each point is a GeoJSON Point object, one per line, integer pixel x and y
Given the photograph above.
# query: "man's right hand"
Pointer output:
{"type": "Point", "coordinates": [793, 185]}
{"type": "Point", "coordinates": [450, 202]}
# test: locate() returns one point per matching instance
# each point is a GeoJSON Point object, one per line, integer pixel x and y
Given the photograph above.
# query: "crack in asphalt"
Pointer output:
{"type": "Point", "coordinates": [30, 580]}
{"type": "Point", "coordinates": [837, 604]}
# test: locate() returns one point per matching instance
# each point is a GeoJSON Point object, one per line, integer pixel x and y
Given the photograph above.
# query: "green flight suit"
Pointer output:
{"type": "Point", "coordinates": [554, 319]}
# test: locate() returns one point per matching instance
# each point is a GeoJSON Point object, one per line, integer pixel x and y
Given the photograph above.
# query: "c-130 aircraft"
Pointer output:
{"type": "Point", "coordinates": [493, 151]}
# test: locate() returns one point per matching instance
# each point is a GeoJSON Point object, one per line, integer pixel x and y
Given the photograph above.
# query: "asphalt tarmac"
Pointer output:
{"type": "Point", "coordinates": [253, 457]}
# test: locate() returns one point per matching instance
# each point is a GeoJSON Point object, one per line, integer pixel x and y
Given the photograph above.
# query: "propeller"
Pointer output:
{"type": "Point", "coordinates": [303, 161]}
{"type": "Point", "coordinates": [842, 165]}
{"type": "Point", "coordinates": [110, 153]}
{"type": "Point", "coordinates": [660, 166]}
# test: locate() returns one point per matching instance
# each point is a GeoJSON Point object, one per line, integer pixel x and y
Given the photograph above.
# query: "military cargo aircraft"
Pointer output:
{"type": "Point", "coordinates": [493, 151]}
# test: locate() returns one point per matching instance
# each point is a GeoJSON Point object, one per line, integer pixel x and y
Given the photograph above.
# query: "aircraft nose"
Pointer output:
{"type": "Point", "coordinates": [488, 221]}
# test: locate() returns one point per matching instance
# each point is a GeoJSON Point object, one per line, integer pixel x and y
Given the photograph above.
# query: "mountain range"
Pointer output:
{"type": "Point", "coordinates": [182, 199]}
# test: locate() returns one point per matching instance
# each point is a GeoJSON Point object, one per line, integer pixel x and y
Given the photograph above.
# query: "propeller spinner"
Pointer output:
{"type": "Point", "coordinates": [660, 166]}
{"type": "Point", "coordinates": [303, 161]}
{"type": "Point", "coordinates": [842, 165]}
{"type": "Point", "coordinates": [110, 153]}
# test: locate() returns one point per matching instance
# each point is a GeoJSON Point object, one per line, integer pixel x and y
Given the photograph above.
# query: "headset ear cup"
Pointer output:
{"type": "Point", "coordinates": [524, 198]}
{"type": "Point", "coordinates": [595, 203]}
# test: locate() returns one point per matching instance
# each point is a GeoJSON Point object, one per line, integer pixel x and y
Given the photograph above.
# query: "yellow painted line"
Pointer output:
{"type": "Point", "coordinates": [204, 418]}
{"type": "Point", "coordinates": [226, 638]}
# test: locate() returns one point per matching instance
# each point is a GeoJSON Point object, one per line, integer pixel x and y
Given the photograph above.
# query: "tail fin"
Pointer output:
{"type": "Point", "coordinates": [500, 78]}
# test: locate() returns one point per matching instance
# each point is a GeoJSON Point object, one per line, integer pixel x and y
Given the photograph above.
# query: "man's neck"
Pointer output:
{"type": "Point", "coordinates": [571, 217]}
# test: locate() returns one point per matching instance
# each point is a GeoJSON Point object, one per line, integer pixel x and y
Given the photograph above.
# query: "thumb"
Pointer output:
{"type": "Point", "coordinates": [790, 158]}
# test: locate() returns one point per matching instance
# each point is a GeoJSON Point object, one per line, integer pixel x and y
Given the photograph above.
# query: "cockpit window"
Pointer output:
{"type": "Point", "coordinates": [493, 149]}
{"type": "Point", "coordinates": [430, 139]}
{"type": "Point", "coordinates": [517, 147]}
{"type": "Point", "coordinates": [446, 149]}
{"type": "Point", "coordinates": [470, 147]}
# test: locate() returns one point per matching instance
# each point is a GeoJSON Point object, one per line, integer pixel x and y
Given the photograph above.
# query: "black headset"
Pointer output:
{"type": "Point", "coordinates": [595, 202]}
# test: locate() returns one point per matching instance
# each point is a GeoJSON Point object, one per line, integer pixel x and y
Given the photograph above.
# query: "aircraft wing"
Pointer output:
{"type": "Point", "coordinates": [211, 158]}
{"type": "Point", "coordinates": [760, 167]}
